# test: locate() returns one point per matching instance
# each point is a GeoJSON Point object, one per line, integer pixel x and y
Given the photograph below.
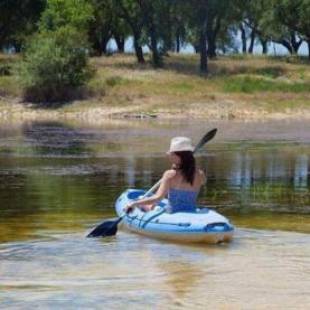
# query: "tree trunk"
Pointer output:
{"type": "Point", "coordinates": [96, 46]}
{"type": "Point", "coordinates": [264, 46]}
{"type": "Point", "coordinates": [308, 42]}
{"type": "Point", "coordinates": [138, 48]}
{"type": "Point", "coordinates": [197, 48]}
{"type": "Point", "coordinates": [156, 59]}
{"type": "Point", "coordinates": [243, 39]}
{"type": "Point", "coordinates": [211, 47]}
{"type": "Point", "coordinates": [104, 44]}
{"type": "Point", "coordinates": [203, 52]}
{"type": "Point", "coordinates": [295, 43]}
{"type": "Point", "coordinates": [286, 44]}
{"type": "Point", "coordinates": [252, 41]}
{"type": "Point", "coordinates": [136, 27]}
{"type": "Point", "coordinates": [213, 29]}
{"type": "Point", "coordinates": [178, 43]}
{"type": "Point", "coordinates": [120, 42]}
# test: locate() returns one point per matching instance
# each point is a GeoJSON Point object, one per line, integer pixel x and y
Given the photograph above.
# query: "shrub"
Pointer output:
{"type": "Point", "coordinates": [55, 65]}
{"type": "Point", "coordinates": [5, 69]}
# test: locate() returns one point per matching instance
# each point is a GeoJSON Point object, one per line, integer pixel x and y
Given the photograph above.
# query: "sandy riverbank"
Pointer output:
{"type": "Point", "coordinates": [249, 88]}
{"type": "Point", "coordinates": [10, 110]}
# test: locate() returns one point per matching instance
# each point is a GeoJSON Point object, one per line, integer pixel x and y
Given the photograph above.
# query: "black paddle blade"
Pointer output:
{"type": "Point", "coordinates": [105, 229]}
{"type": "Point", "coordinates": [207, 137]}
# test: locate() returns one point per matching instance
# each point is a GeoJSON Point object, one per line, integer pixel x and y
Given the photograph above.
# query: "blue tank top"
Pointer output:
{"type": "Point", "coordinates": [181, 200]}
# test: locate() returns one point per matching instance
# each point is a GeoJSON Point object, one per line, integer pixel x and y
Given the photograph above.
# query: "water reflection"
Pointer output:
{"type": "Point", "coordinates": [265, 177]}
{"type": "Point", "coordinates": [58, 177]}
{"type": "Point", "coordinates": [302, 171]}
{"type": "Point", "coordinates": [57, 180]}
{"type": "Point", "coordinates": [53, 138]}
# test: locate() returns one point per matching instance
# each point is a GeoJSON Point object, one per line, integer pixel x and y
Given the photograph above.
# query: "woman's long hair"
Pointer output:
{"type": "Point", "coordinates": [187, 165]}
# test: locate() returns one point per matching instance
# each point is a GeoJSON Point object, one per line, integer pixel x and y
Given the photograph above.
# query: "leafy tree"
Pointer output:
{"type": "Point", "coordinates": [100, 31]}
{"type": "Point", "coordinates": [149, 23]}
{"type": "Point", "coordinates": [18, 19]}
{"type": "Point", "coordinates": [107, 24]}
{"type": "Point", "coordinates": [202, 27]}
{"type": "Point", "coordinates": [120, 32]}
{"type": "Point", "coordinates": [179, 25]}
{"type": "Point", "coordinates": [54, 65]}
{"type": "Point", "coordinates": [220, 17]}
{"type": "Point", "coordinates": [280, 23]}
{"type": "Point", "coordinates": [303, 23]}
{"type": "Point", "coordinates": [253, 13]}
{"type": "Point", "coordinates": [131, 13]}
{"type": "Point", "coordinates": [60, 13]}
{"type": "Point", "coordinates": [151, 12]}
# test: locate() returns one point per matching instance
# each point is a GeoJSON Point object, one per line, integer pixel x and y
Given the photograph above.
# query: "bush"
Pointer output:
{"type": "Point", "coordinates": [55, 65]}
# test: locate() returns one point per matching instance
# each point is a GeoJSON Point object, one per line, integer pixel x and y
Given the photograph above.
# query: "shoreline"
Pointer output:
{"type": "Point", "coordinates": [280, 129]}
{"type": "Point", "coordinates": [252, 88]}
{"type": "Point", "coordinates": [12, 110]}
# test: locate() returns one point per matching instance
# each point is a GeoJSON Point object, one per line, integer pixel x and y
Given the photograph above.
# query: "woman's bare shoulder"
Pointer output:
{"type": "Point", "coordinates": [169, 174]}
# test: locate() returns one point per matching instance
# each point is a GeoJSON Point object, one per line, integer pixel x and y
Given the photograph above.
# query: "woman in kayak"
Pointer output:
{"type": "Point", "coordinates": [181, 184]}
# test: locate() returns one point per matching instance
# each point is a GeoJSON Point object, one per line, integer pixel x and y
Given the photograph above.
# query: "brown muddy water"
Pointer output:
{"type": "Point", "coordinates": [58, 180]}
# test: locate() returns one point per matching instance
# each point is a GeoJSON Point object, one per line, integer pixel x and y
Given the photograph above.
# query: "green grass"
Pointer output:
{"type": "Point", "coordinates": [235, 84]}
{"type": "Point", "coordinates": [250, 84]}
{"type": "Point", "coordinates": [182, 87]}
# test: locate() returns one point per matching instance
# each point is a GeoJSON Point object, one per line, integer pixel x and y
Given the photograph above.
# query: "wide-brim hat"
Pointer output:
{"type": "Point", "coordinates": [179, 144]}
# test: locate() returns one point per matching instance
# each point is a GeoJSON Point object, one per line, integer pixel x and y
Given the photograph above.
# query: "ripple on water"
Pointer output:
{"type": "Point", "coordinates": [133, 270]}
{"type": "Point", "coordinates": [56, 178]}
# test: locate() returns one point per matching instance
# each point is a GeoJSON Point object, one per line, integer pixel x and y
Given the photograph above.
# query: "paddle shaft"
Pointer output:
{"type": "Point", "coordinates": [201, 143]}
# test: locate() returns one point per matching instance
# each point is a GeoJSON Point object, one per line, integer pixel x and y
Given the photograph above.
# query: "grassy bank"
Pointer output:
{"type": "Point", "coordinates": [237, 87]}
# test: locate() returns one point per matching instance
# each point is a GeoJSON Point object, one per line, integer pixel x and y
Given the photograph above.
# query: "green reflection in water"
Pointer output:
{"type": "Point", "coordinates": [60, 178]}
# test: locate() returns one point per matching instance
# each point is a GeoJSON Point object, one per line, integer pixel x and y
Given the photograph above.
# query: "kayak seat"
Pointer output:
{"type": "Point", "coordinates": [135, 194]}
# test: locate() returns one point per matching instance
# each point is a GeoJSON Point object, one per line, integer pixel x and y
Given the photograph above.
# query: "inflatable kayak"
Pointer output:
{"type": "Point", "coordinates": [204, 225]}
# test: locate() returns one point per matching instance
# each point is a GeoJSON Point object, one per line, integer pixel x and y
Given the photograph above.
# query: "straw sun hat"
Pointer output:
{"type": "Point", "coordinates": [179, 144]}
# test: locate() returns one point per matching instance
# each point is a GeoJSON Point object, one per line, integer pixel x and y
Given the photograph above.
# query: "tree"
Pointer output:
{"type": "Point", "coordinates": [130, 11]}
{"type": "Point", "coordinates": [18, 19]}
{"type": "Point", "coordinates": [202, 7]}
{"type": "Point", "coordinates": [120, 31]}
{"type": "Point", "coordinates": [303, 23]}
{"type": "Point", "coordinates": [54, 65]}
{"type": "Point", "coordinates": [280, 22]}
{"type": "Point", "coordinates": [100, 30]}
{"type": "Point", "coordinates": [55, 62]}
{"type": "Point", "coordinates": [220, 17]}
{"type": "Point", "coordinates": [151, 11]}
{"type": "Point", "coordinates": [253, 19]}
{"type": "Point", "coordinates": [61, 13]}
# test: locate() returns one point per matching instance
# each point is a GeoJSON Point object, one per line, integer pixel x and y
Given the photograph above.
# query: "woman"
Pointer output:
{"type": "Point", "coordinates": [181, 184]}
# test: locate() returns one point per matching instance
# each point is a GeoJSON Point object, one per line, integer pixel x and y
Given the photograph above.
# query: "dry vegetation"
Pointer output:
{"type": "Point", "coordinates": [236, 87]}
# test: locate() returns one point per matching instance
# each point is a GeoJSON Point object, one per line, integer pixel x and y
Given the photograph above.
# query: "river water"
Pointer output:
{"type": "Point", "coordinates": [58, 180]}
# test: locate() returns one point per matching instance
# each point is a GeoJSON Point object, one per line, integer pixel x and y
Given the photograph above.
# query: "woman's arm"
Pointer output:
{"type": "Point", "coordinates": [159, 195]}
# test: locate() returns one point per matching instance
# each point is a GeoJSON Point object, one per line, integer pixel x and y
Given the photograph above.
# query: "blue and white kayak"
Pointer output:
{"type": "Point", "coordinates": [204, 225]}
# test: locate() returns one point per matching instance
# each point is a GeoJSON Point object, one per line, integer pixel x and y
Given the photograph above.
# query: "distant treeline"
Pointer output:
{"type": "Point", "coordinates": [163, 25]}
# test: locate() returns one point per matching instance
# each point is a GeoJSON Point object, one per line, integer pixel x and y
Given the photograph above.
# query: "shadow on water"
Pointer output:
{"type": "Point", "coordinates": [36, 189]}
{"type": "Point", "coordinates": [54, 138]}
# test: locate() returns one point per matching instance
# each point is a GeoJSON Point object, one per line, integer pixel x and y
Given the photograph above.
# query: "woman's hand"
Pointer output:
{"type": "Point", "coordinates": [129, 208]}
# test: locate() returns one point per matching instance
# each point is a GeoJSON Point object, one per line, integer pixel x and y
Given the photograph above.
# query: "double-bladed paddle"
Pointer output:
{"type": "Point", "coordinates": [109, 227]}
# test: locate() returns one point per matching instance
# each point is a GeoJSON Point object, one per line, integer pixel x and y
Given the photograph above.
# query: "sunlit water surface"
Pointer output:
{"type": "Point", "coordinates": [59, 180]}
